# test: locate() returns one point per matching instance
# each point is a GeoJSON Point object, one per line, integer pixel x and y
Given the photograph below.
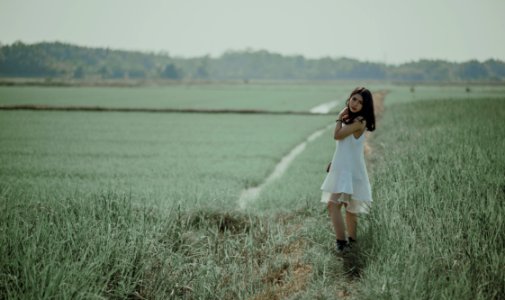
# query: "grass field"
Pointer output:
{"type": "Point", "coordinates": [112, 205]}
{"type": "Point", "coordinates": [172, 158]}
{"type": "Point", "coordinates": [436, 231]}
{"type": "Point", "coordinates": [436, 227]}
{"type": "Point", "coordinates": [213, 96]}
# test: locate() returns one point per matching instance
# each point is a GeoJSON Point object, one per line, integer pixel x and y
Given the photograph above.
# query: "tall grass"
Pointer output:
{"type": "Point", "coordinates": [436, 230]}
{"type": "Point", "coordinates": [139, 205]}
{"type": "Point", "coordinates": [436, 226]}
{"type": "Point", "coordinates": [109, 245]}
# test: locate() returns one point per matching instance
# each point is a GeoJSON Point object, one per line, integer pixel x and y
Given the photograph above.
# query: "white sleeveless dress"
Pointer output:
{"type": "Point", "coordinates": [348, 175]}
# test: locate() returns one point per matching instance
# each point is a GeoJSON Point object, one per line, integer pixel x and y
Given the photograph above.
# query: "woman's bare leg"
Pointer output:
{"type": "Point", "coordinates": [351, 221]}
{"type": "Point", "coordinates": [334, 209]}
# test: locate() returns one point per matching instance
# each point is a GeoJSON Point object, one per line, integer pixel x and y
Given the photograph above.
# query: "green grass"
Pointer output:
{"type": "Point", "coordinates": [112, 205]}
{"type": "Point", "coordinates": [123, 205]}
{"type": "Point", "coordinates": [196, 159]}
{"type": "Point", "coordinates": [436, 228]}
{"type": "Point", "coordinates": [213, 96]}
{"type": "Point", "coordinates": [403, 93]}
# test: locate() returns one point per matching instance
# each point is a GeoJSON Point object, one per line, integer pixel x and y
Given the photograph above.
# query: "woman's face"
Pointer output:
{"type": "Point", "coordinates": [356, 103]}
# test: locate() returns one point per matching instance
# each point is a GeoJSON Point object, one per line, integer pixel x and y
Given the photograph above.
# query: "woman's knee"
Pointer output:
{"type": "Point", "coordinates": [351, 213]}
{"type": "Point", "coordinates": [332, 204]}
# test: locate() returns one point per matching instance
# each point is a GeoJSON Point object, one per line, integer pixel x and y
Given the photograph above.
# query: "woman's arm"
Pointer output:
{"type": "Point", "coordinates": [343, 132]}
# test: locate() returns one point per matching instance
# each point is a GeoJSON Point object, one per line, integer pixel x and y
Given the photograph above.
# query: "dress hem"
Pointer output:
{"type": "Point", "coordinates": [354, 205]}
{"type": "Point", "coordinates": [343, 192]}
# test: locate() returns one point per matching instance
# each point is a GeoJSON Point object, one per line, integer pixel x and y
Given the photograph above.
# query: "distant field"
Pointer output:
{"type": "Point", "coordinates": [404, 93]}
{"type": "Point", "coordinates": [214, 96]}
{"type": "Point", "coordinates": [193, 159]}
{"type": "Point", "coordinates": [140, 205]}
{"type": "Point", "coordinates": [275, 97]}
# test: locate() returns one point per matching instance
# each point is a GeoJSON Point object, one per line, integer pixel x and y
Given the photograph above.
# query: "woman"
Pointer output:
{"type": "Point", "coordinates": [347, 180]}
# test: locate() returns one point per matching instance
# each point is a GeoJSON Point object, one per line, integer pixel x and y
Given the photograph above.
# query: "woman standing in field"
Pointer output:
{"type": "Point", "coordinates": [347, 180]}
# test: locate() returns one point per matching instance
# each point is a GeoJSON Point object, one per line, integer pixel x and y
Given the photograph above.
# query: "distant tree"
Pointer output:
{"type": "Point", "coordinates": [202, 71]}
{"type": "Point", "coordinates": [171, 72]}
{"type": "Point", "coordinates": [53, 60]}
{"type": "Point", "coordinates": [472, 70]}
{"type": "Point", "coordinates": [104, 72]}
{"type": "Point", "coordinates": [137, 74]}
{"type": "Point", "coordinates": [432, 69]}
{"type": "Point", "coordinates": [496, 68]}
{"type": "Point", "coordinates": [79, 73]}
{"type": "Point", "coordinates": [118, 73]}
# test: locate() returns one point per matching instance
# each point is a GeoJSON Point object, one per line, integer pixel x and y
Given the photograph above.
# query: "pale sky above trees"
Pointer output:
{"type": "Point", "coordinates": [390, 31]}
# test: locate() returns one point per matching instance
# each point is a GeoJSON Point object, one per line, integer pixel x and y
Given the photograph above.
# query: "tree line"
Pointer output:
{"type": "Point", "coordinates": [61, 60]}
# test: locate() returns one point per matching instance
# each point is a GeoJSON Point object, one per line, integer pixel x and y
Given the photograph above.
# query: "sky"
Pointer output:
{"type": "Point", "coordinates": [387, 31]}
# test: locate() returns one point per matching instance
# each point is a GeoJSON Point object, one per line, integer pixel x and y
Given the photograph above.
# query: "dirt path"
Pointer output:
{"type": "Point", "coordinates": [250, 194]}
{"type": "Point", "coordinates": [325, 108]}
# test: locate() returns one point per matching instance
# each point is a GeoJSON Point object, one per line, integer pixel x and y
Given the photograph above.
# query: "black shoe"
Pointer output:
{"type": "Point", "coordinates": [341, 246]}
{"type": "Point", "coordinates": [352, 242]}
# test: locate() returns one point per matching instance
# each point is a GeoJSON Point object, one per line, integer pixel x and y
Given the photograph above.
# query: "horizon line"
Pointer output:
{"type": "Point", "coordinates": [244, 50]}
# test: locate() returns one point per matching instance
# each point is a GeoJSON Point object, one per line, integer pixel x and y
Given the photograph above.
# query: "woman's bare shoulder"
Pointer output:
{"type": "Point", "coordinates": [361, 120]}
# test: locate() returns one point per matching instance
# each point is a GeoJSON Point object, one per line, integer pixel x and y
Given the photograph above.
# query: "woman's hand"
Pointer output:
{"type": "Point", "coordinates": [344, 113]}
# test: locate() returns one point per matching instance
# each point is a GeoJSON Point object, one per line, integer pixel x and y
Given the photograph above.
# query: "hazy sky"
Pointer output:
{"type": "Point", "coordinates": [391, 31]}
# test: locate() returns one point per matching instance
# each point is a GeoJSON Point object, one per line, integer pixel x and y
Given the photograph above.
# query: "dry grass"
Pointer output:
{"type": "Point", "coordinates": [291, 273]}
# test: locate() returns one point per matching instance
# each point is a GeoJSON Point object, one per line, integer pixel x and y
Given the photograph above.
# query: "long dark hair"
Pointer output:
{"type": "Point", "coordinates": [366, 112]}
